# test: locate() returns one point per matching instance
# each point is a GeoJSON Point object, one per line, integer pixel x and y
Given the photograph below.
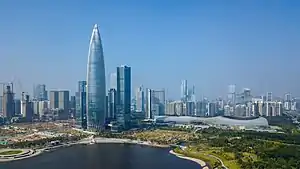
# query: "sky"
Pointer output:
{"type": "Point", "coordinates": [211, 44]}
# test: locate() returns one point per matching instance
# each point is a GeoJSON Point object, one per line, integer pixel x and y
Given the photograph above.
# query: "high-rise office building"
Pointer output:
{"type": "Point", "coordinates": [201, 108]}
{"type": "Point", "coordinates": [27, 108]}
{"type": "Point", "coordinates": [123, 96]}
{"type": "Point", "coordinates": [43, 107]}
{"type": "Point", "coordinates": [232, 94]}
{"type": "Point", "coordinates": [246, 95]}
{"type": "Point", "coordinates": [54, 99]}
{"type": "Point", "coordinates": [81, 118]}
{"type": "Point", "coordinates": [59, 100]}
{"type": "Point", "coordinates": [184, 90]}
{"type": "Point", "coordinates": [112, 103]}
{"type": "Point", "coordinates": [193, 95]}
{"type": "Point", "coordinates": [211, 109]}
{"type": "Point", "coordinates": [96, 85]}
{"type": "Point", "coordinates": [40, 92]}
{"type": "Point", "coordinates": [155, 103]}
{"type": "Point", "coordinates": [287, 97]}
{"type": "Point", "coordinates": [113, 81]}
{"type": "Point", "coordinates": [73, 103]}
{"type": "Point", "coordinates": [140, 99]}
{"type": "Point", "coordinates": [158, 102]}
{"type": "Point", "coordinates": [17, 106]}
{"type": "Point", "coordinates": [8, 102]}
{"type": "Point", "coordinates": [269, 96]}
{"type": "Point", "coordinates": [149, 104]}
{"type": "Point", "coordinates": [188, 108]}
{"type": "Point", "coordinates": [287, 101]}
{"type": "Point", "coordinates": [64, 104]}
{"type": "Point", "coordinates": [35, 108]}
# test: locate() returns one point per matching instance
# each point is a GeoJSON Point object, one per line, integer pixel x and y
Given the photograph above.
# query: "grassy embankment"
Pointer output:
{"type": "Point", "coordinates": [11, 152]}
{"type": "Point", "coordinates": [208, 154]}
{"type": "Point", "coordinates": [204, 157]}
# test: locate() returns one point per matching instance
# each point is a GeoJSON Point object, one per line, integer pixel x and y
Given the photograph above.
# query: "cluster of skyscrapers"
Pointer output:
{"type": "Point", "coordinates": [245, 104]}
{"type": "Point", "coordinates": [95, 107]}
{"type": "Point", "coordinates": [38, 107]}
{"type": "Point", "coordinates": [149, 102]}
{"type": "Point", "coordinates": [237, 104]}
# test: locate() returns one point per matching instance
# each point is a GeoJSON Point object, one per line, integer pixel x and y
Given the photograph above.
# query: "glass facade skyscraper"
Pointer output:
{"type": "Point", "coordinates": [184, 90]}
{"type": "Point", "coordinates": [123, 96]}
{"type": "Point", "coordinates": [112, 97]}
{"type": "Point", "coordinates": [81, 119]}
{"type": "Point", "coordinates": [96, 92]}
{"type": "Point", "coordinates": [39, 92]}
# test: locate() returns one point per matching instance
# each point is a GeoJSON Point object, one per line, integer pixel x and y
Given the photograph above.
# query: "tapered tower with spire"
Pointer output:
{"type": "Point", "coordinates": [96, 92]}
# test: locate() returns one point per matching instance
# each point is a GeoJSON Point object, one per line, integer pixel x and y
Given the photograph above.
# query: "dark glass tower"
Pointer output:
{"type": "Point", "coordinates": [81, 119]}
{"type": "Point", "coordinates": [112, 96]}
{"type": "Point", "coordinates": [96, 92]}
{"type": "Point", "coordinates": [123, 96]}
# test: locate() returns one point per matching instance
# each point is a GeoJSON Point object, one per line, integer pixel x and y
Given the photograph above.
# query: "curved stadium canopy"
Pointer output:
{"type": "Point", "coordinates": [219, 120]}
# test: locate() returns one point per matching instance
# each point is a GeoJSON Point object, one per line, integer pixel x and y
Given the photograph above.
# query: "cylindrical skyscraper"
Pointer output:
{"type": "Point", "coordinates": [96, 92]}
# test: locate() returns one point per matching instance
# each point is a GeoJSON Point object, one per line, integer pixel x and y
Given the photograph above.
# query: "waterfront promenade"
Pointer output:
{"type": "Point", "coordinates": [27, 153]}
{"type": "Point", "coordinates": [120, 141]}
{"type": "Point", "coordinates": [198, 161]}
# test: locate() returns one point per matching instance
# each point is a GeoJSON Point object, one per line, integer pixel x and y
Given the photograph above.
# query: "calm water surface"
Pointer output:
{"type": "Point", "coordinates": [104, 156]}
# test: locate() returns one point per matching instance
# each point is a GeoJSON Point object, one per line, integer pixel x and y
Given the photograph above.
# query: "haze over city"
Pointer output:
{"type": "Point", "coordinates": [251, 44]}
{"type": "Point", "coordinates": [165, 84]}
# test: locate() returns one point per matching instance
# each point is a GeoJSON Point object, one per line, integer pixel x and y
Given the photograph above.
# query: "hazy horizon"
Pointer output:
{"type": "Point", "coordinates": [211, 44]}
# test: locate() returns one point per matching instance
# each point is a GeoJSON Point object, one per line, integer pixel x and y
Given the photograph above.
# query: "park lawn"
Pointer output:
{"type": "Point", "coordinates": [199, 155]}
{"type": "Point", "coordinates": [232, 164]}
{"type": "Point", "coordinates": [210, 160]}
{"type": "Point", "coordinates": [11, 152]}
{"type": "Point", "coordinates": [250, 155]}
{"type": "Point", "coordinates": [228, 159]}
{"type": "Point", "coordinates": [205, 157]}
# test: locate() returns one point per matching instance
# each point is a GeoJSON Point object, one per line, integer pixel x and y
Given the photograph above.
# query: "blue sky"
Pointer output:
{"type": "Point", "coordinates": [212, 44]}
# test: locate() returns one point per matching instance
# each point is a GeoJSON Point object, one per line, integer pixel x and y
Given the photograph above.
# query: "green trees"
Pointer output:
{"type": "Point", "coordinates": [269, 150]}
{"type": "Point", "coordinates": [42, 142]}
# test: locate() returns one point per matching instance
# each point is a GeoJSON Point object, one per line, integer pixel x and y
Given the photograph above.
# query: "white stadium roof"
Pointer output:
{"type": "Point", "coordinates": [219, 120]}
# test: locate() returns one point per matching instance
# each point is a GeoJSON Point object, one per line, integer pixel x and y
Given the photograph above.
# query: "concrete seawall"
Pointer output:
{"type": "Point", "coordinates": [198, 161]}
{"type": "Point", "coordinates": [98, 140]}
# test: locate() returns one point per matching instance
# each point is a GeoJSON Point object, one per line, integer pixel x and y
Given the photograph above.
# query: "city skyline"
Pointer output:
{"type": "Point", "coordinates": [220, 51]}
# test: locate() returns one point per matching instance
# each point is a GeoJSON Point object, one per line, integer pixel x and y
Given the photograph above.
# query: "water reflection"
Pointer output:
{"type": "Point", "coordinates": [104, 156]}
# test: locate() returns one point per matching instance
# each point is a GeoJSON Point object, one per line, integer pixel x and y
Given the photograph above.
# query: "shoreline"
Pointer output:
{"type": "Point", "coordinates": [21, 156]}
{"type": "Point", "coordinates": [98, 140]}
{"type": "Point", "coordinates": [203, 164]}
